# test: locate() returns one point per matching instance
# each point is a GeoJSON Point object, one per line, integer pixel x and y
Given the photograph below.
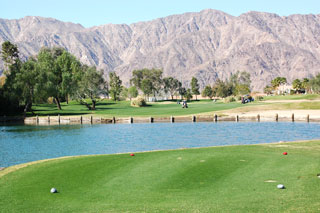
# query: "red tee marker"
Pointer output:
{"type": "Point", "coordinates": [285, 153]}
{"type": "Point", "coordinates": [131, 154]}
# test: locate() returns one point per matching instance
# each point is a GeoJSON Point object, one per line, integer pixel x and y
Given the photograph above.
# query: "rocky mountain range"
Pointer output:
{"type": "Point", "coordinates": [208, 45]}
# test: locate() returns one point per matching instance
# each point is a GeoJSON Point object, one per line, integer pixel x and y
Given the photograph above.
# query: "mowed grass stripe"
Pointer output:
{"type": "Point", "coordinates": [228, 179]}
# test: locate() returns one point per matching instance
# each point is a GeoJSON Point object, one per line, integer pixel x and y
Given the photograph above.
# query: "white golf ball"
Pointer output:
{"type": "Point", "coordinates": [53, 190]}
{"type": "Point", "coordinates": [280, 186]}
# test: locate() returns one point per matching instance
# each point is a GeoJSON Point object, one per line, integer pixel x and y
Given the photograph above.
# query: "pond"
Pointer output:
{"type": "Point", "coordinates": [20, 144]}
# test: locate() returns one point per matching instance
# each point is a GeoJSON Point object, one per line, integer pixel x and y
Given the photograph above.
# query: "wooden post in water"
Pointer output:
{"type": "Point", "coordinates": [172, 119]}
{"type": "Point", "coordinates": [292, 117]}
{"type": "Point", "coordinates": [151, 119]}
{"type": "Point", "coordinates": [277, 117]}
{"type": "Point", "coordinates": [91, 119]}
{"type": "Point", "coordinates": [59, 118]}
{"type": "Point", "coordinates": [215, 118]}
{"type": "Point", "coordinates": [131, 120]}
{"type": "Point", "coordinates": [258, 117]}
{"type": "Point", "coordinates": [237, 118]}
{"type": "Point", "coordinates": [308, 118]}
{"type": "Point", "coordinates": [37, 119]}
{"type": "Point", "coordinates": [81, 119]}
{"type": "Point", "coordinates": [48, 118]}
{"type": "Point", "coordinates": [194, 119]}
{"type": "Point", "coordinates": [113, 120]}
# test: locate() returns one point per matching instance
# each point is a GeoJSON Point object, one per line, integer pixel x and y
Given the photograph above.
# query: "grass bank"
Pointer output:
{"type": "Point", "coordinates": [108, 108]}
{"type": "Point", "coordinates": [219, 179]}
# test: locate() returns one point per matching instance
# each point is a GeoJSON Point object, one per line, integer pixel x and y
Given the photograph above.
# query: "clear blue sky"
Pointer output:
{"type": "Point", "coordinates": [96, 12]}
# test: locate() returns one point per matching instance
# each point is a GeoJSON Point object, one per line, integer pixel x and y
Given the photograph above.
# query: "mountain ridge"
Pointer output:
{"type": "Point", "coordinates": [209, 44]}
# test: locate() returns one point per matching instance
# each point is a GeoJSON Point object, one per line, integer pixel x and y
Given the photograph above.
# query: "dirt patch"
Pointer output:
{"type": "Point", "coordinates": [270, 181]}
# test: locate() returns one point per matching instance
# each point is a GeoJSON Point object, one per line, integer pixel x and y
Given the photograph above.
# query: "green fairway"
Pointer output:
{"type": "Point", "coordinates": [293, 97]}
{"type": "Point", "coordinates": [220, 179]}
{"type": "Point", "coordinates": [123, 109]}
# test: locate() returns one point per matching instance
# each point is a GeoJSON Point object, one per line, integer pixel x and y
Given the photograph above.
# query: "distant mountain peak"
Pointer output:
{"type": "Point", "coordinates": [209, 44]}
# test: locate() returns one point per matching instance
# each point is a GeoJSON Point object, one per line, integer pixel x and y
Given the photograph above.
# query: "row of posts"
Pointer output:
{"type": "Point", "coordinates": [172, 119]}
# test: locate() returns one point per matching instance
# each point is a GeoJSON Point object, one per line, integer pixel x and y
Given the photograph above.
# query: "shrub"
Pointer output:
{"type": "Point", "coordinates": [229, 99]}
{"type": "Point", "coordinates": [139, 102]}
{"type": "Point", "coordinates": [258, 98]}
{"type": "Point", "coordinates": [238, 97]}
{"type": "Point", "coordinates": [50, 100]}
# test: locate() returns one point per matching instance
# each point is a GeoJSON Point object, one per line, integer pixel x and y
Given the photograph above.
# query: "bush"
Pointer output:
{"type": "Point", "coordinates": [229, 99]}
{"type": "Point", "coordinates": [258, 98]}
{"type": "Point", "coordinates": [139, 102]}
{"type": "Point", "coordinates": [50, 100]}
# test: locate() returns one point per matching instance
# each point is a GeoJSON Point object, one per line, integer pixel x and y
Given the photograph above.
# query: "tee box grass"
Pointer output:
{"type": "Point", "coordinates": [219, 179]}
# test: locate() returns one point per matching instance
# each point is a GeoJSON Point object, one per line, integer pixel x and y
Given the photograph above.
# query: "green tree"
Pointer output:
{"type": "Point", "coordinates": [9, 54]}
{"type": "Point", "coordinates": [268, 90]}
{"type": "Point", "coordinates": [153, 75]}
{"type": "Point", "coordinates": [133, 92]}
{"type": "Point", "coordinates": [306, 85]}
{"type": "Point", "coordinates": [51, 75]}
{"type": "Point", "coordinates": [195, 86]}
{"type": "Point", "coordinates": [297, 85]}
{"type": "Point", "coordinates": [171, 85]}
{"type": "Point", "coordinates": [207, 92]}
{"type": "Point", "coordinates": [124, 93]}
{"type": "Point", "coordinates": [69, 67]}
{"type": "Point", "coordinates": [26, 82]}
{"type": "Point", "coordinates": [188, 94]}
{"type": "Point", "coordinates": [239, 83]}
{"type": "Point", "coordinates": [9, 92]}
{"type": "Point", "coordinates": [115, 86]}
{"type": "Point", "coordinates": [146, 87]}
{"type": "Point", "coordinates": [223, 89]}
{"type": "Point", "coordinates": [242, 89]}
{"type": "Point", "coordinates": [278, 81]}
{"type": "Point", "coordinates": [91, 86]}
{"type": "Point", "coordinates": [315, 84]}
{"type": "Point", "coordinates": [182, 91]}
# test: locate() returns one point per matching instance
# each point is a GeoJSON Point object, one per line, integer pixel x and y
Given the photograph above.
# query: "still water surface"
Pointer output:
{"type": "Point", "coordinates": [20, 144]}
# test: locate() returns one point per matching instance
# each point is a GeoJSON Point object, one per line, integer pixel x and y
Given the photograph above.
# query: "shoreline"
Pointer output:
{"type": "Point", "coordinates": [6, 170]}
{"type": "Point", "coordinates": [230, 115]}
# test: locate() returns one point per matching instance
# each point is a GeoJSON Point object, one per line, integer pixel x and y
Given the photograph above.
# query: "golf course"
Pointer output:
{"type": "Point", "coordinates": [109, 108]}
{"type": "Point", "coordinates": [238, 178]}
{"type": "Point", "coordinates": [229, 179]}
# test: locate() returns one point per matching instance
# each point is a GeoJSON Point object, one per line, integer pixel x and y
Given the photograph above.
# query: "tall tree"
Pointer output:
{"type": "Point", "coordinates": [315, 83]}
{"type": "Point", "coordinates": [146, 87]}
{"type": "Point", "coordinates": [297, 85]}
{"type": "Point", "coordinates": [10, 93]}
{"type": "Point", "coordinates": [91, 86]}
{"type": "Point", "coordinates": [171, 85]}
{"type": "Point", "coordinates": [207, 92]}
{"type": "Point", "coordinates": [188, 94]}
{"type": "Point", "coordinates": [195, 86]}
{"type": "Point", "coordinates": [132, 92]}
{"type": "Point", "coordinates": [278, 81]}
{"type": "Point", "coordinates": [115, 86]}
{"type": "Point", "coordinates": [9, 54]}
{"type": "Point", "coordinates": [306, 85]}
{"type": "Point", "coordinates": [153, 75]}
{"type": "Point", "coordinates": [70, 69]}
{"type": "Point", "coordinates": [27, 82]}
{"type": "Point", "coordinates": [51, 75]}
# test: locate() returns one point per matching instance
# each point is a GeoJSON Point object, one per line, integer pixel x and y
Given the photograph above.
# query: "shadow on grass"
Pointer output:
{"type": "Point", "coordinates": [58, 113]}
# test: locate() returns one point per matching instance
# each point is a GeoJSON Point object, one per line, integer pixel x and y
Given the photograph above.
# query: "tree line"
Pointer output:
{"type": "Point", "coordinates": [305, 85]}
{"type": "Point", "coordinates": [56, 74]}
